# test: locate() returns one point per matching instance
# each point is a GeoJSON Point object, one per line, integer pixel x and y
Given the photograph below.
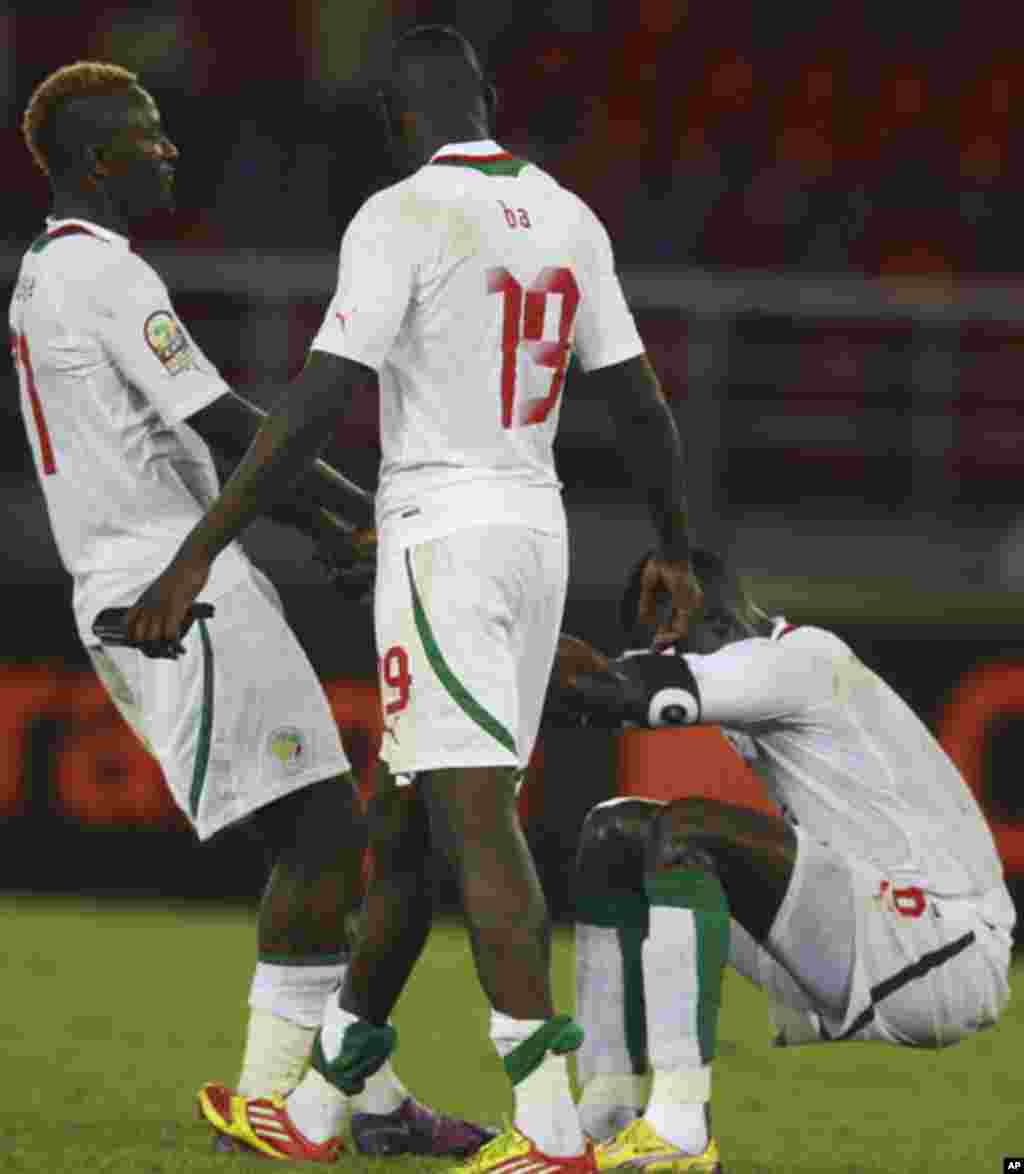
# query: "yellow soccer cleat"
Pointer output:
{"type": "Point", "coordinates": [638, 1147]}
{"type": "Point", "coordinates": [512, 1152]}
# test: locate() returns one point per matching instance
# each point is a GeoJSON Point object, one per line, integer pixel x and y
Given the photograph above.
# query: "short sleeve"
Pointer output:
{"type": "Point", "coordinates": [605, 330]}
{"type": "Point", "coordinates": [142, 335]}
{"type": "Point", "coordinates": [375, 284]}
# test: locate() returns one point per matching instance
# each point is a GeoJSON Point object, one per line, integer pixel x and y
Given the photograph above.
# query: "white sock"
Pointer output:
{"type": "Point", "coordinates": [286, 1008]}
{"type": "Point", "coordinates": [682, 1080]}
{"type": "Point", "coordinates": [383, 1092]}
{"type": "Point", "coordinates": [601, 996]}
{"type": "Point", "coordinates": [677, 1108]}
{"type": "Point", "coordinates": [610, 1102]}
{"type": "Point", "coordinates": [276, 1051]}
{"type": "Point", "coordinates": [544, 1108]}
{"type": "Point", "coordinates": [317, 1108]}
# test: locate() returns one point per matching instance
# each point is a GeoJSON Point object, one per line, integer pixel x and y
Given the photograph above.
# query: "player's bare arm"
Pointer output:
{"type": "Point", "coordinates": [649, 442]}
{"type": "Point", "coordinates": [336, 513]}
{"type": "Point", "coordinates": [229, 425]}
{"type": "Point", "coordinates": [288, 440]}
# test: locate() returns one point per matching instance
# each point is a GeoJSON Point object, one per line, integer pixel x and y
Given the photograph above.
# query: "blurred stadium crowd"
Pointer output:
{"type": "Point", "coordinates": [745, 148]}
{"type": "Point", "coordinates": [815, 210]}
{"type": "Point", "coordinates": [823, 138]}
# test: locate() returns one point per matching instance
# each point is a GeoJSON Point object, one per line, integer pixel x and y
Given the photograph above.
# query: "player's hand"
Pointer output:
{"type": "Point", "coordinates": [349, 558]}
{"type": "Point", "coordinates": [158, 616]}
{"type": "Point", "coordinates": [575, 656]}
{"type": "Point", "coordinates": [663, 578]}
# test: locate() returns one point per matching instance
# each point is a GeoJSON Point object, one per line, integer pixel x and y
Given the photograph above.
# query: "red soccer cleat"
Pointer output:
{"type": "Point", "coordinates": [262, 1125]}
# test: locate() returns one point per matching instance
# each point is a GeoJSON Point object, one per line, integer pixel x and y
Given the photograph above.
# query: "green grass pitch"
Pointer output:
{"type": "Point", "coordinates": [114, 1013]}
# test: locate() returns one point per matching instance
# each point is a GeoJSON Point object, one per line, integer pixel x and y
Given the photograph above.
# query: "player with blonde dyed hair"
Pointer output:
{"type": "Point", "coordinates": [52, 109]}
{"type": "Point", "coordinates": [125, 416]}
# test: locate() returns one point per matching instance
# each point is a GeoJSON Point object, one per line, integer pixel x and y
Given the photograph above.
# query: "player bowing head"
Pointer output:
{"type": "Point", "coordinates": [728, 612]}
{"type": "Point", "coordinates": [96, 133]}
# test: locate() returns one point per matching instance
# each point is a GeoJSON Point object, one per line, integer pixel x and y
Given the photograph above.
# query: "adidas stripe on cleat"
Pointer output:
{"type": "Point", "coordinates": [638, 1147]}
{"type": "Point", "coordinates": [512, 1152]}
{"type": "Point", "coordinates": [262, 1125]}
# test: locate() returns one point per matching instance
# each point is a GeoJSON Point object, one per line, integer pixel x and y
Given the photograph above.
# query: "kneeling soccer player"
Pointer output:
{"type": "Point", "coordinates": [875, 909]}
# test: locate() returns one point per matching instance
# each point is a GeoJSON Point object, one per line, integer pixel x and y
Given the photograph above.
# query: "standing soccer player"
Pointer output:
{"type": "Point", "coordinates": [874, 910]}
{"type": "Point", "coordinates": [121, 406]}
{"type": "Point", "coordinates": [467, 286]}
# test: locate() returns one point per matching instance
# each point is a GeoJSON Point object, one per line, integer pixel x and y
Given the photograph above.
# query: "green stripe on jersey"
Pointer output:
{"type": "Point", "coordinates": [454, 687]}
{"type": "Point", "coordinates": [487, 167]}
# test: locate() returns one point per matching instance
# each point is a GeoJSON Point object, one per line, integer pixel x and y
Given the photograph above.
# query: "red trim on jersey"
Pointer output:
{"type": "Point", "coordinates": [500, 157]}
{"type": "Point", "coordinates": [19, 344]}
{"type": "Point", "coordinates": [787, 629]}
{"type": "Point", "coordinates": [66, 230]}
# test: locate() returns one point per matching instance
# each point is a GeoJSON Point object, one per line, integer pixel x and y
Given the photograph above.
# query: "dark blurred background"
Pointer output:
{"type": "Point", "coordinates": [815, 212]}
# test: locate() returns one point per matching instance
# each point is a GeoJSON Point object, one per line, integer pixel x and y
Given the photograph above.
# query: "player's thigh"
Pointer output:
{"type": "Point", "coordinates": [878, 958]}
{"type": "Point", "coordinates": [539, 628]}
{"type": "Point", "coordinates": [449, 617]}
{"type": "Point", "coordinates": [240, 719]}
{"type": "Point", "coordinates": [927, 971]}
{"type": "Point", "coordinates": [813, 936]}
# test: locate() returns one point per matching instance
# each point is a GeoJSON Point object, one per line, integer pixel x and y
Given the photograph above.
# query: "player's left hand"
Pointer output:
{"type": "Point", "coordinates": [349, 558]}
{"type": "Point", "coordinates": [158, 616]}
{"type": "Point", "coordinates": [675, 579]}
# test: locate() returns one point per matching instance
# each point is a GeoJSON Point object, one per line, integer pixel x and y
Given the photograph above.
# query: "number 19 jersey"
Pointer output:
{"type": "Point", "coordinates": [468, 286]}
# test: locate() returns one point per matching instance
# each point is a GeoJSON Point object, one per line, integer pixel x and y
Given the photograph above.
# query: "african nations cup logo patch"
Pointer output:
{"type": "Point", "coordinates": [288, 746]}
{"type": "Point", "coordinates": [168, 342]}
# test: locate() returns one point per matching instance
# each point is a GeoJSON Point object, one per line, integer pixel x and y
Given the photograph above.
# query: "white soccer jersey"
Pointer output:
{"type": "Point", "coordinates": [467, 286]}
{"type": "Point", "coordinates": [108, 375]}
{"type": "Point", "coordinates": [848, 760]}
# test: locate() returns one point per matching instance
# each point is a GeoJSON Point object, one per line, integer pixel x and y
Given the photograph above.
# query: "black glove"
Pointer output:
{"type": "Point", "coordinates": [349, 559]}
{"type": "Point", "coordinates": [645, 689]}
{"type": "Point", "coordinates": [108, 628]}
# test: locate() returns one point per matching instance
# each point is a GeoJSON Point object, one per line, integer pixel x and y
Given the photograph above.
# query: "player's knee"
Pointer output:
{"type": "Point", "coordinates": [685, 834]}
{"type": "Point", "coordinates": [613, 843]}
{"type": "Point", "coordinates": [317, 823]}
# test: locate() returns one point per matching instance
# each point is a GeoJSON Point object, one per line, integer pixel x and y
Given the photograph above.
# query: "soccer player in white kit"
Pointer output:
{"type": "Point", "coordinates": [467, 286]}
{"type": "Point", "coordinates": [122, 411]}
{"type": "Point", "coordinates": [875, 909]}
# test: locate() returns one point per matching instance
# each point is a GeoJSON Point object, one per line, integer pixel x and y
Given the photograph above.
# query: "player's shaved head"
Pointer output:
{"type": "Point", "coordinates": [79, 106]}
{"type": "Point", "coordinates": [436, 90]}
{"type": "Point", "coordinates": [434, 64]}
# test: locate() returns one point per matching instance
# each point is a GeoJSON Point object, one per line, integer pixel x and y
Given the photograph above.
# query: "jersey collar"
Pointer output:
{"type": "Point", "coordinates": [476, 151]}
{"type": "Point", "coordinates": [53, 224]}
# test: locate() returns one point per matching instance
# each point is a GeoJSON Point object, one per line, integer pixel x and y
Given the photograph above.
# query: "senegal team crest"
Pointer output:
{"type": "Point", "coordinates": [168, 341]}
{"type": "Point", "coordinates": [288, 746]}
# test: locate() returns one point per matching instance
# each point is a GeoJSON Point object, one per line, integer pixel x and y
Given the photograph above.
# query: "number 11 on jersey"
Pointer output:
{"type": "Point", "coordinates": [522, 326]}
{"type": "Point", "coordinates": [23, 362]}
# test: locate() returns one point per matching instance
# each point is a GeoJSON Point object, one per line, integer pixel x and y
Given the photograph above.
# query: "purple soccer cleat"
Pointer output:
{"type": "Point", "coordinates": [416, 1129]}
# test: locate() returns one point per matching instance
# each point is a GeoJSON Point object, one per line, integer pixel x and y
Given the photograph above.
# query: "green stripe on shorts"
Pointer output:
{"type": "Point", "coordinates": [205, 723]}
{"type": "Point", "coordinates": [455, 688]}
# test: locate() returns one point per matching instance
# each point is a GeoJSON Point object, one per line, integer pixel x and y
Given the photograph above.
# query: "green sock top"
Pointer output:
{"type": "Point", "coordinates": [560, 1034]}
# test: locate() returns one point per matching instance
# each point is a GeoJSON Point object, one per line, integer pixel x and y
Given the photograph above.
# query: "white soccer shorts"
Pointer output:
{"type": "Point", "coordinates": [856, 954]}
{"type": "Point", "coordinates": [467, 628]}
{"type": "Point", "coordinates": [238, 721]}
